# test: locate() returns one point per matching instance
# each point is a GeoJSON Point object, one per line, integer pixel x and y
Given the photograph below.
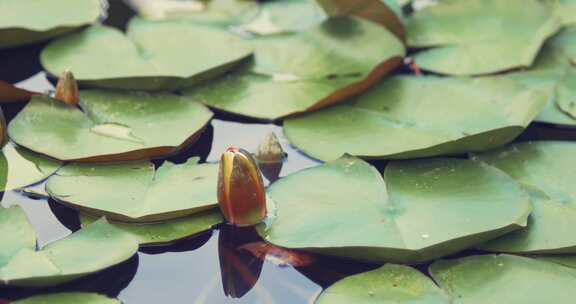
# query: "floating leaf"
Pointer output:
{"type": "Point", "coordinates": [373, 10]}
{"type": "Point", "coordinates": [166, 232]}
{"type": "Point", "coordinates": [69, 298]}
{"type": "Point", "coordinates": [337, 59]}
{"type": "Point", "coordinates": [408, 117]}
{"type": "Point", "coordinates": [26, 22]}
{"type": "Point", "coordinates": [222, 13]}
{"type": "Point", "coordinates": [472, 37]}
{"type": "Point", "coordinates": [565, 260]}
{"type": "Point", "coordinates": [86, 251]}
{"type": "Point", "coordinates": [17, 234]}
{"type": "Point", "coordinates": [153, 55]}
{"type": "Point", "coordinates": [20, 168]}
{"type": "Point", "coordinates": [421, 210]}
{"type": "Point", "coordinates": [554, 69]}
{"type": "Point", "coordinates": [136, 192]}
{"type": "Point", "coordinates": [389, 284]}
{"type": "Point", "coordinates": [504, 279]}
{"type": "Point", "coordinates": [546, 170]}
{"type": "Point", "coordinates": [283, 16]}
{"type": "Point", "coordinates": [112, 126]}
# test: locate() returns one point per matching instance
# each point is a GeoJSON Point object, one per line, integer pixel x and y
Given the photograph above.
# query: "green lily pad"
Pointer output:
{"type": "Point", "coordinates": [408, 117]}
{"type": "Point", "coordinates": [112, 126]}
{"type": "Point", "coordinates": [306, 71]}
{"type": "Point", "coordinates": [136, 192]}
{"type": "Point", "coordinates": [20, 168]}
{"type": "Point", "coordinates": [565, 260]}
{"type": "Point", "coordinates": [26, 22]}
{"type": "Point", "coordinates": [545, 169]}
{"type": "Point", "coordinates": [554, 69]}
{"type": "Point", "coordinates": [17, 234]}
{"type": "Point", "coordinates": [152, 55]}
{"type": "Point", "coordinates": [419, 211]}
{"type": "Point", "coordinates": [222, 13]}
{"type": "Point", "coordinates": [284, 16]}
{"type": "Point", "coordinates": [166, 232]}
{"type": "Point", "coordinates": [504, 279]}
{"type": "Point", "coordinates": [389, 284]}
{"type": "Point", "coordinates": [86, 251]}
{"type": "Point", "coordinates": [69, 298]}
{"type": "Point", "coordinates": [473, 37]}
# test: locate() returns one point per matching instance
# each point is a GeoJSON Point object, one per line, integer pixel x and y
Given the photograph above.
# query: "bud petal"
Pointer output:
{"type": "Point", "coordinates": [67, 89]}
{"type": "Point", "coordinates": [241, 192]}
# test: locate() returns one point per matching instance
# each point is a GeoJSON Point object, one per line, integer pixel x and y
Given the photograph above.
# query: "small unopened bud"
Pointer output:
{"type": "Point", "coordinates": [241, 192]}
{"type": "Point", "coordinates": [67, 89]}
{"type": "Point", "coordinates": [270, 157]}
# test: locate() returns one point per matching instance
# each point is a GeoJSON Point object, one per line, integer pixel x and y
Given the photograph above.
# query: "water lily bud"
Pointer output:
{"type": "Point", "coordinates": [67, 89]}
{"type": "Point", "coordinates": [241, 192]}
{"type": "Point", "coordinates": [270, 157]}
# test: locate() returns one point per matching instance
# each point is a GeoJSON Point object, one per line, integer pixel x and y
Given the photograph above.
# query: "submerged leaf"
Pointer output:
{"type": "Point", "coordinates": [472, 37]}
{"type": "Point", "coordinates": [113, 126]}
{"type": "Point", "coordinates": [153, 55]}
{"type": "Point", "coordinates": [136, 192]}
{"type": "Point", "coordinates": [10, 93]}
{"type": "Point", "coordinates": [419, 211]}
{"type": "Point", "coordinates": [504, 279]}
{"type": "Point", "coordinates": [389, 284]}
{"type": "Point", "coordinates": [408, 117]}
{"type": "Point", "coordinates": [26, 22]}
{"type": "Point", "coordinates": [86, 251]}
{"type": "Point", "coordinates": [546, 170]}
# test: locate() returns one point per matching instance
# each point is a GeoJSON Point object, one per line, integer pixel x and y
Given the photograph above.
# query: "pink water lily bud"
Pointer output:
{"type": "Point", "coordinates": [67, 89]}
{"type": "Point", "coordinates": [270, 157]}
{"type": "Point", "coordinates": [241, 192]}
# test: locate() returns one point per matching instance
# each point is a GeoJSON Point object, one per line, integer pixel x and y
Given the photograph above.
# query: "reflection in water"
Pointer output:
{"type": "Point", "coordinates": [240, 270]}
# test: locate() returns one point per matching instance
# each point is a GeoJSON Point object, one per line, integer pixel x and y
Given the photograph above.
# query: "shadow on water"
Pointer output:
{"type": "Point", "coordinates": [20, 63]}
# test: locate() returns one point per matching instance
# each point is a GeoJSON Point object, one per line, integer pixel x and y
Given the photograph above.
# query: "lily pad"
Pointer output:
{"type": "Point", "coordinates": [166, 232]}
{"type": "Point", "coordinates": [473, 37]}
{"type": "Point", "coordinates": [26, 22]}
{"type": "Point", "coordinates": [284, 16]}
{"type": "Point", "coordinates": [17, 234]}
{"type": "Point", "coordinates": [86, 251]}
{"type": "Point", "coordinates": [337, 59]}
{"type": "Point", "coordinates": [112, 126]}
{"type": "Point", "coordinates": [419, 211]}
{"type": "Point", "coordinates": [20, 168]}
{"type": "Point", "coordinates": [214, 12]}
{"type": "Point", "coordinates": [389, 284]}
{"type": "Point", "coordinates": [136, 192]}
{"type": "Point", "coordinates": [565, 260]}
{"type": "Point", "coordinates": [505, 279]}
{"type": "Point", "coordinates": [554, 68]}
{"type": "Point", "coordinates": [69, 298]}
{"type": "Point", "coordinates": [545, 169]}
{"type": "Point", "coordinates": [408, 117]}
{"type": "Point", "coordinates": [152, 55]}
